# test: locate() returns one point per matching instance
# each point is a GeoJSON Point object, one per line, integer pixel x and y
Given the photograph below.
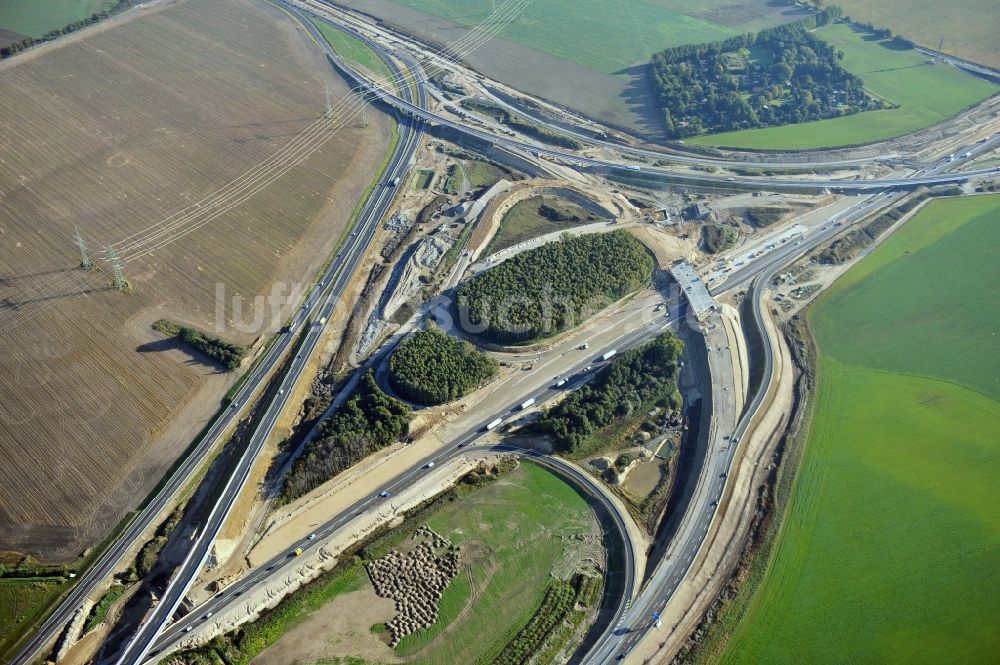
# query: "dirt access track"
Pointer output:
{"type": "Point", "coordinates": [124, 132]}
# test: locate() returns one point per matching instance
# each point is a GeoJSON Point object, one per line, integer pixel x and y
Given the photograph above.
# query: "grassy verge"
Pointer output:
{"type": "Point", "coordinates": [353, 50]}
{"type": "Point", "coordinates": [99, 613]}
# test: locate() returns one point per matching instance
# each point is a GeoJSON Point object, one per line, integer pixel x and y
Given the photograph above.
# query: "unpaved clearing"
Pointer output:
{"type": "Point", "coordinates": [113, 131]}
{"type": "Point", "coordinates": [341, 627]}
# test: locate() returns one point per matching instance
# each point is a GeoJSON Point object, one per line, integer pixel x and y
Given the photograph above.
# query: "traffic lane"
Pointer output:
{"type": "Point", "coordinates": [578, 160]}
{"type": "Point", "coordinates": [133, 531]}
{"type": "Point", "coordinates": [140, 645]}
{"type": "Point", "coordinates": [694, 524]}
{"type": "Point", "coordinates": [472, 434]}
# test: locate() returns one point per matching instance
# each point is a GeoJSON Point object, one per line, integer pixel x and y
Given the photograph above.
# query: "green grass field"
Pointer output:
{"type": "Point", "coordinates": [36, 17]}
{"type": "Point", "coordinates": [22, 603]}
{"type": "Point", "coordinates": [926, 94]}
{"type": "Point", "coordinates": [353, 50]}
{"type": "Point", "coordinates": [516, 534]}
{"type": "Point", "coordinates": [522, 222]}
{"type": "Point", "coordinates": [483, 174]}
{"type": "Point", "coordinates": [423, 178]}
{"type": "Point", "coordinates": [605, 36]}
{"type": "Point", "coordinates": [890, 551]}
{"type": "Point", "coordinates": [960, 24]}
{"type": "Point", "coordinates": [525, 525]}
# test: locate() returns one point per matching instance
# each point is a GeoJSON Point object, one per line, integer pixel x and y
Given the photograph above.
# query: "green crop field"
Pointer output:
{"type": "Point", "coordinates": [890, 551]}
{"type": "Point", "coordinates": [599, 35]}
{"type": "Point", "coordinates": [926, 93]}
{"type": "Point", "coordinates": [589, 55]}
{"type": "Point", "coordinates": [959, 24]}
{"type": "Point", "coordinates": [36, 17]}
{"type": "Point", "coordinates": [353, 51]}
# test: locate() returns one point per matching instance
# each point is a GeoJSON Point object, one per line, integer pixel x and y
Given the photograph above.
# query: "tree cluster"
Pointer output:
{"type": "Point", "coordinates": [225, 353]}
{"type": "Point", "coordinates": [554, 214]}
{"type": "Point", "coordinates": [779, 76]}
{"type": "Point", "coordinates": [636, 378]}
{"type": "Point", "coordinates": [717, 237]}
{"type": "Point", "coordinates": [431, 367]}
{"type": "Point", "coordinates": [549, 289]}
{"type": "Point", "coordinates": [762, 217]}
{"type": "Point", "coordinates": [28, 42]}
{"type": "Point", "coordinates": [366, 422]}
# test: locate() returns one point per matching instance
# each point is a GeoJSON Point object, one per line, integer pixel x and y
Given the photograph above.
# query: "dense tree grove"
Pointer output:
{"type": "Point", "coordinates": [431, 367]}
{"type": "Point", "coordinates": [367, 421]}
{"type": "Point", "coordinates": [550, 289]}
{"type": "Point", "coordinates": [636, 378]}
{"type": "Point", "coordinates": [778, 76]}
{"type": "Point", "coordinates": [226, 353]}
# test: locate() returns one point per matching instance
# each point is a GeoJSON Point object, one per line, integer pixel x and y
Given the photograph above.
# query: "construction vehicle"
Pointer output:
{"type": "Point", "coordinates": [298, 551]}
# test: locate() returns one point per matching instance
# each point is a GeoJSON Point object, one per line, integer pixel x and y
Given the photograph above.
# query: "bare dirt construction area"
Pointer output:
{"type": "Point", "coordinates": [341, 626]}
{"type": "Point", "coordinates": [190, 137]}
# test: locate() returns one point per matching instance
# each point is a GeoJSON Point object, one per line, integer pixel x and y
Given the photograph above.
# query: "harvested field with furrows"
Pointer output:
{"type": "Point", "coordinates": [136, 134]}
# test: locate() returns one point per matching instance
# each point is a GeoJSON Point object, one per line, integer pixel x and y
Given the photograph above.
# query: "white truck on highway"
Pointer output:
{"type": "Point", "coordinates": [526, 403]}
{"type": "Point", "coordinates": [609, 354]}
{"type": "Point", "coordinates": [493, 423]}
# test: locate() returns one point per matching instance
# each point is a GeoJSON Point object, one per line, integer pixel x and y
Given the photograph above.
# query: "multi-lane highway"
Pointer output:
{"type": "Point", "coordinates": [390, 98]}
{"type": "Point", "coordinates": [321, 305]}
{"type": "Point", "coordinates": [578, 374]}
{"type": "Point", "coordinates": [724, 444]}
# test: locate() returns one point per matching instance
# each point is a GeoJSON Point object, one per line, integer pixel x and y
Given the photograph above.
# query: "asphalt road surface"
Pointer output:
{"type": "Point", "coordinates": [138, 647]}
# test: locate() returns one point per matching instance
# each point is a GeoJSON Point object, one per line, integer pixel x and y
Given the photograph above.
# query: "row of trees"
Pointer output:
{"type": "Point", "coordinates": [778, 76]}
{"type": "Point", "coordinates": [28, 42]}
{"type": "Point", "coordinates": [550, 289]}
{"type": "Point", "coordinates": [640, 377]}
{"type": "Point", "coordinates": [368, 421]}
{"type": "Point", "coordinates": [225, 353]}
{"type": "Point", "coordinates": [431, 367]}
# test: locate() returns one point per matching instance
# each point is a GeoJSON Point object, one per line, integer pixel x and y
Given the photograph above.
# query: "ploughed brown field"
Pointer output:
{"type": "Point", "coordinates": [120, 131]}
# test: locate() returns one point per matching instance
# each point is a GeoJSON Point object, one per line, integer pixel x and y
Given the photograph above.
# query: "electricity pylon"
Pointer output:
{"type": "Point", "coordinates": [85, 261]}
{"type": "Point", "coordinates": [118, 271]}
